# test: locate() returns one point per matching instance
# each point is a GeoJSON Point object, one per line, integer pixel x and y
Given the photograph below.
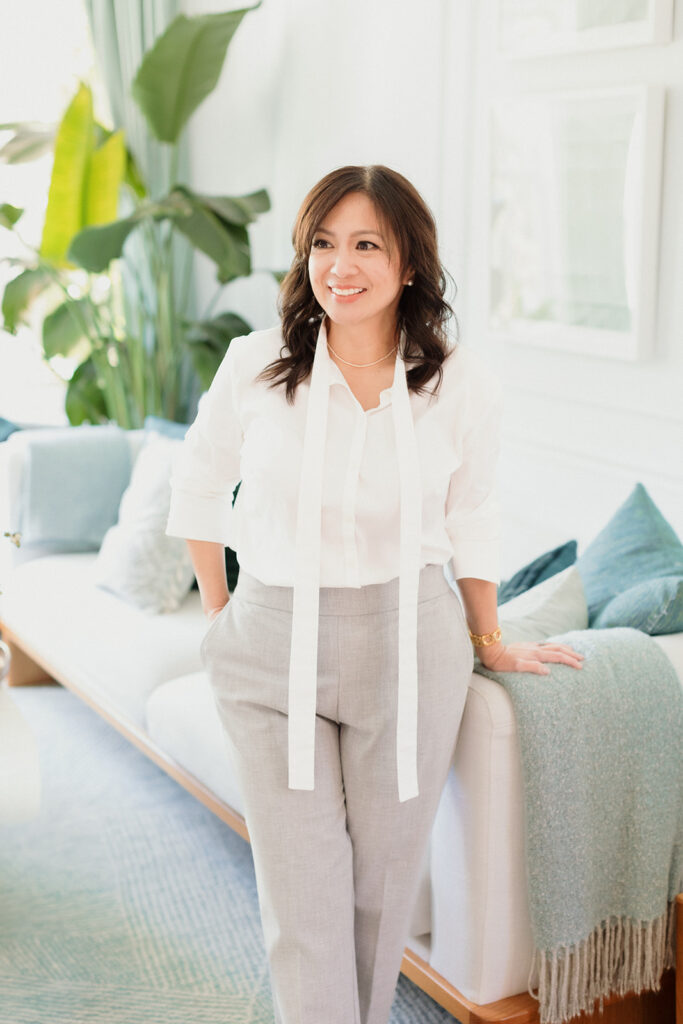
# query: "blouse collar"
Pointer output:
{"type": "Point", "coordinates": [306, 598]}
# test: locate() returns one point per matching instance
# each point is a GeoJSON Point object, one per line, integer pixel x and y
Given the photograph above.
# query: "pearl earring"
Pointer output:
{"type": "Point", "coordinates": [409, 282]}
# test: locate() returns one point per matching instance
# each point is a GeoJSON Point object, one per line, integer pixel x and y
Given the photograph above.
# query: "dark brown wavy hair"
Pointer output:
{"type": "Point", "coordinates": [423, 311]}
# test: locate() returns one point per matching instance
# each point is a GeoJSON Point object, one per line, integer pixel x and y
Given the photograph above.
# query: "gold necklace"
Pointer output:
{"type": "Point", "coordinates": [361, 364]}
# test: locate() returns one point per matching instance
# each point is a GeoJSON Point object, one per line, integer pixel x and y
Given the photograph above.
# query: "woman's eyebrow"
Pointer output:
{"type": "Point", "coordinates": [369, 231]}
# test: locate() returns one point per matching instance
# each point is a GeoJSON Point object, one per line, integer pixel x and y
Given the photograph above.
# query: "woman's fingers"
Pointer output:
{"type": "Point", "coordinates": [561, 647]}
{"type": "Point", "coordinates": [534, 654]}
{"type": "Point", "coordinates": [532, 666]}
{"type": "Point", "coordinates": [575, 659]}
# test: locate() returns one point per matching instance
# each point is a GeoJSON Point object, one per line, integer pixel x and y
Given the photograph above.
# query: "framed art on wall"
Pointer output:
{"type": "Point", "coordinates": [573, 211]}
{"type": "Point", "coordinates": [536, 27]}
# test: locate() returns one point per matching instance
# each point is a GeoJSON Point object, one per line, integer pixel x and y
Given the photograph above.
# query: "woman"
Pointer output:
{"type": "Point", "coordinates": [340, 664]}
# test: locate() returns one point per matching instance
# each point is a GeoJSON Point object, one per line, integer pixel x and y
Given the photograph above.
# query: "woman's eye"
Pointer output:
{"type": "Point", "coordinates": [318, 243]}
{"type": "Point", "coordinates": [365, 242]}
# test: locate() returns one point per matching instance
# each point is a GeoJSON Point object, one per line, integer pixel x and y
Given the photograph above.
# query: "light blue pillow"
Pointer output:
{"type": "Point", "coordinates": [654, 606]}
{"type": "Point", "coordinates": [636, 546]}
{"type": "Point", "coordinates": [72, 482]}
{"type": "Point", "coordinates": [169, 428]}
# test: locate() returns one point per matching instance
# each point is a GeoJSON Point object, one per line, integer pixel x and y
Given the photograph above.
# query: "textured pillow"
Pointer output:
{"type": "Point", "coordinates": [137, 561]}
{"type": "Point", "coordinates": [637, 545]}
{"type": "Point", "coordinates": [542, 568]}
{"type": "Point", "coordinates": [655, 607]}
{"type": "Point", "coordinates": [555, 605]}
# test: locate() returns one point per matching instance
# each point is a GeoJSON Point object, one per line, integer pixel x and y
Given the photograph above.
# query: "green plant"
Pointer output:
{"type": "Point", "coordinates": [134, 350]}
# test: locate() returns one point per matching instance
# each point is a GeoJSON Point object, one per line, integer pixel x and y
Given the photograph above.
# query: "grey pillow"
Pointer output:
{"type": "Point", "coordinates": [553, 606]}
{"type": "Point", "coordinates": [137, 560]}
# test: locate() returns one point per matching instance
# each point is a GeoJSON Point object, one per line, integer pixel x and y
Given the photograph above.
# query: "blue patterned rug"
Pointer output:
{"type": "Point", "coordinates": [126, 901]}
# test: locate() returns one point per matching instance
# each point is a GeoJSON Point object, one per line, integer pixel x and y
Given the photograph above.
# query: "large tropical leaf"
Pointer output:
{"type": "Point", "coordinates": [65, 331]}
{"type": "Point", "coordinates": [225, 243]}
{"type": "Point", "coordinates": [182, 68]}
{"type": "Point", "coordinates": [237, 209]}
{"type": "Point", "coordinates": [208, 341]}
{"type": "Point", "coordinates": [94, 248]}
{"type": "Point", "coordinates": [19, 294]}
{"type": "Point", "coordinates": [105, 174]}
{"type": "Point", "coordinates": [85, 401]}
{"type": "Point", "coordinates": [73, 146]}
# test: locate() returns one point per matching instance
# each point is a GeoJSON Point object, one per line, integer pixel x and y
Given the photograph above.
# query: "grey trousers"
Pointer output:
{"type": "Point", "coordinates": [338, 867]}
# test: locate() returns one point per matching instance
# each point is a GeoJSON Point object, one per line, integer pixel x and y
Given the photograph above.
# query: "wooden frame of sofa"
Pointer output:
{"type": "Point", "coordinates": [663, 1007]}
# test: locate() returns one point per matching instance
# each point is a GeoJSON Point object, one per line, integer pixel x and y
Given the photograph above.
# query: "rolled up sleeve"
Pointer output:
{"type": "Point", "coordinates": [206, 466]}
{"type": "Point", "coordinates": [472, 504]}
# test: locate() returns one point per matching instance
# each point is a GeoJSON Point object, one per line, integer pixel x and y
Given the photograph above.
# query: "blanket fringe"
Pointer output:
{"type": "Point", "coordinates": [619, 956]}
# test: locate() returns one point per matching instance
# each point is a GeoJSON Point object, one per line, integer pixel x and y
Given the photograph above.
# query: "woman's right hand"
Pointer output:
{"type": "Point", "coordinates": [214, 612]}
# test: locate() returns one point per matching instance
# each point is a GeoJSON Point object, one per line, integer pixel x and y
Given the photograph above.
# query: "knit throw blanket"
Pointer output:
{"type": "Point", "coordinates": [603, 796]}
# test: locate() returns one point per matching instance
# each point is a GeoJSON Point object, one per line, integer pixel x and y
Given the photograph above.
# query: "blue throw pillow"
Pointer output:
{"type": "Point", "coordinates": [7, 428]}
{"type": "Point", "coordinates": [654, 607]}
{"type": "Point", "coordinates": [542, 568]}
{"type": "Point", "coordinates": [169, 428]}
{"type": "Point", "coordinates": [72, 482]}
{"type": "Point", "coordinates": [635, 547]}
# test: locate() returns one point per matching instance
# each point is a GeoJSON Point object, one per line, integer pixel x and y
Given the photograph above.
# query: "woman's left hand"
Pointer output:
{"type": "Point", "coordinates": [527, 656]}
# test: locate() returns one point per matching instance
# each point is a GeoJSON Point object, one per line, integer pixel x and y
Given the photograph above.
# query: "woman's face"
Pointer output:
{"type": "Point", "coordinates": [354, 270]}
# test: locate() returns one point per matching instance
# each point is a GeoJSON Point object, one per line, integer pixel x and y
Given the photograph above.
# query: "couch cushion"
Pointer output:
{"type": "Point", "coordinates": [182, 719]}
{"type": "Point", "coordinates": [105, 647]}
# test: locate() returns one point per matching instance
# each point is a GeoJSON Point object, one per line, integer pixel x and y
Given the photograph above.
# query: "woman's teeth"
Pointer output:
{"type": "Point", "coordinates": [346, 291]}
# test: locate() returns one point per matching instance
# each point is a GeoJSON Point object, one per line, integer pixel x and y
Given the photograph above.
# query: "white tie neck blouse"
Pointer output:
{"type": "Point", "coordinates": [326, 501]}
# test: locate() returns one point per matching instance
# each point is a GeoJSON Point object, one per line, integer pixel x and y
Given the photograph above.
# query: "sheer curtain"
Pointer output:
{"type": "Point", "coordinates": [122, 32]}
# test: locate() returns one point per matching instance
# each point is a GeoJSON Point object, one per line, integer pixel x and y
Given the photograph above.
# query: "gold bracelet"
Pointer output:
{"type": "Point", "coordinates": [485, 639]}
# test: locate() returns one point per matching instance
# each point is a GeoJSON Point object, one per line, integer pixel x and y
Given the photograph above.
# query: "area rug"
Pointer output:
{"type": "Point", "coordinates": [125, 900]}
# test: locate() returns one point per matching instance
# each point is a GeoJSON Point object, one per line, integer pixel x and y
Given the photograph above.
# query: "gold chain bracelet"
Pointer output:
{"type": "Point", "coordinates": [485, 639]}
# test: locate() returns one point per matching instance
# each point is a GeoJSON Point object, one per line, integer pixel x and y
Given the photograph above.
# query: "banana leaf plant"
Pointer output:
{"type": "Point", "coordinates": [135, 352]}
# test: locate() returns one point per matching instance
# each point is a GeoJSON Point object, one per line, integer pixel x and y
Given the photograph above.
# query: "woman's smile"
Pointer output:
{"type": "Point", "coordinates": [345, 295]}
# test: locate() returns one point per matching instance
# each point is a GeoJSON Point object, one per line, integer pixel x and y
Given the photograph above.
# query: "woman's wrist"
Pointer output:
{"type": "Point", "coordinates": [489, 654]}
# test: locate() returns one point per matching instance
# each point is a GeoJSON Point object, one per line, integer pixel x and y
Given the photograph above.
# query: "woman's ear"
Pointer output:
{"type": "Point", "coordinates": [408, 276]}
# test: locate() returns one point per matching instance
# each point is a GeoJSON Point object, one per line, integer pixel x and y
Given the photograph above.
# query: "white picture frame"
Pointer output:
{"type": "Point", "coordinates": [528, 28]}
{"type": "Point", "coordinates": [573, 201]}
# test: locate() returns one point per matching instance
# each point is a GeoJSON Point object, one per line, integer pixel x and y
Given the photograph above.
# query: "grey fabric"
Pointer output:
{"type": "Point", "coordinates": [338, 867]}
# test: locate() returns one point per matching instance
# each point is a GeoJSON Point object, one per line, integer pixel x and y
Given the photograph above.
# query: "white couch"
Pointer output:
{"type": "Point", "coordinates": [471, 939]}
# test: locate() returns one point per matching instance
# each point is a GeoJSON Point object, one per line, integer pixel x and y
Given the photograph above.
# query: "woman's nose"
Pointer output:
{"type": "Point", "coordinates": [345, 263]}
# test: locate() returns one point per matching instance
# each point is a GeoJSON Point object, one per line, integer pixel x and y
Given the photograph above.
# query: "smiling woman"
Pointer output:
{"type": "Point", "coordinates": [357, 277]}
{"type": "Point", "coordinates": [329, 672]}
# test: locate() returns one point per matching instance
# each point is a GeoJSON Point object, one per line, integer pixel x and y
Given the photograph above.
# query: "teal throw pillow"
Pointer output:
{"type": "Point", "coordinates": [654, 607]}
{"type": "Point", "coordinates": [7, 427]}
{"type": "Point", "coordinates": [637, 546]}
{"type": "Point", "coordinates": [542, 568]}
{"type": "Point", "coordinates": [169, 428]}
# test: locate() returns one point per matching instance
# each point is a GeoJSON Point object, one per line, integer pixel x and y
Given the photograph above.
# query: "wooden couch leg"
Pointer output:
{"type": "Point", "coordinates": [23, 670]}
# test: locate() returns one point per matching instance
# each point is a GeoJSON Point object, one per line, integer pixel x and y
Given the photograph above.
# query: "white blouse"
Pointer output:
{"type": "Point", "coordinates": [326, 501]}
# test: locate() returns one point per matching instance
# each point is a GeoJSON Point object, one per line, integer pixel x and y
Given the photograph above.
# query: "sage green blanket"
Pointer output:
{"type": "Point", "coordinates": [601, 750]}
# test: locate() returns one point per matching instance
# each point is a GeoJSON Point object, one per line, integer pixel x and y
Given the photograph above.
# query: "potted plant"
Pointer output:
{"type": "Point", "coordinates": [114, 296]}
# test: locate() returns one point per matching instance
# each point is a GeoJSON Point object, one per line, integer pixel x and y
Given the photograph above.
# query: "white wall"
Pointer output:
{"type": "Point", "coordinates": [309, 86]}
{"type": "Point", "coordinates": [580, 430]}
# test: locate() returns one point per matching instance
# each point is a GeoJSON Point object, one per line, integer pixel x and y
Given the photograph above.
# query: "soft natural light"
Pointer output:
{"type": "Point", "coordinates": [44, 51]}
